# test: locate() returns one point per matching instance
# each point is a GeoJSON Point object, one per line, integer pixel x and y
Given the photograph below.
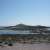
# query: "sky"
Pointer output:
{"type": "Point", "coordinates": [29, 12]}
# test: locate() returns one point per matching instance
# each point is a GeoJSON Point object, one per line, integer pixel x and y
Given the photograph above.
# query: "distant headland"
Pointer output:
{"type": "Point", "coordinates": [27, 27]}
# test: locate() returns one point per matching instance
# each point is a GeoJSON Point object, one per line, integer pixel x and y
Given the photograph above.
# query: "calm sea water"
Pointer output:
{"type": "Point", "coordinates": [17, 32]}
{"type": "Point", "coordinates": [14, 32]}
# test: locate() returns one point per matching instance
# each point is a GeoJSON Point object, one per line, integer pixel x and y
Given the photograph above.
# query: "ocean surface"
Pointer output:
{"type": "Point", "coordinates": [17, 32]}
{"type": "Point", "coordinates": [14, 32]}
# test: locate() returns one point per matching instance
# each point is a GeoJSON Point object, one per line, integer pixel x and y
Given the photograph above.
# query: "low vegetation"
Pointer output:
{"type": "Point", "coordinates": [25, 38]}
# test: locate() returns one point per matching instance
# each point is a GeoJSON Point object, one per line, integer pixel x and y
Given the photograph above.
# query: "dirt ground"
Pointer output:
{"type": "Point", "coordinates": [27, 47]}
